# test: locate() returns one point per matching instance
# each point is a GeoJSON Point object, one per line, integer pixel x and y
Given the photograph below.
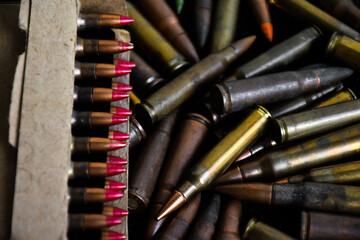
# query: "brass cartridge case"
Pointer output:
{"type": "Point", "coordinates": [190, 140]}
{"type": "Point", "coordinates": [229, 97]}
{"type": "Point", "coordinates": [225, 18]}
{"type": "Point", "coordinates": [307, 123]}
{"type": "Point", "coordinates": [341, 96]}
{"type": "Point", "coordinates": [203, 12]}
{"type": "Point", "coordinates": [314, 15]}
{"type": "Point", "coordinates": [318, 225]}
{"type": "Point", "coordinates": [144, 174]}
{"type": "Point", "coordinates": [152, 44]}
{"type": "Point", "coordinates": [205, 222]}
{"type": "Point", "coordinates": [188, 83]}
{"type": "Point", "coordinates": [229, 222]}
{"type": "Point", "coordinates": [345, 173]}
{"type": "Point", "coordinates": [344, 50]}
{"type": "Point", "coordinates": [256, 230]}
{"type": "Point", "coordinates": [279, 55]}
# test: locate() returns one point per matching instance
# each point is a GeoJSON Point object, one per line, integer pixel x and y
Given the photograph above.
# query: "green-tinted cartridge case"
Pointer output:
{"type": "Point", "coordinates": [229, 222]}
{"type": "Point", "coordinates": [344, 10]}
{"type": "Point", "coordinates": [190, 140]}
{"type": "Point", "coordinates": [203, 13]}
{"type": "Point", "coordinates": [144, 174]}
{"type": "Point", "coordinates": [314, 15]}
{"type": "Point", "coordinates": [306, 195]}
{"type": "Point", "coordinates": [225, 18]}
{"type": "Point", "coordinates": [345, 173]}
{"type": "Point", "coordinates": [136, 133]}
{"type": "Point", "coordinates": [180, 224]}
{"type": "Point", "coordinates": [341, 96]}
{"type": "Point", "coordinates": [279, 56]}
{"type": "Point", "coordinates": [143, 77]}
{"type": "Point", "coordinates": [291, 159]}
{"type": "Point", "coordinates": [229, 97]}
{"type": "Point", "coordinates": [205, 222]}
{"type": "Point", "coordinates": [344, 50]}
{"type": "Point", "coordinates": [315, 121]}
{"type": "Point", "coordinates": [319, 225]}
{"type": "Point", "coordinates": [152, 45]}
{"type": "Point", "coordinates": [256, 230]}
{"type": "Point", "coordinates": [184, 86]}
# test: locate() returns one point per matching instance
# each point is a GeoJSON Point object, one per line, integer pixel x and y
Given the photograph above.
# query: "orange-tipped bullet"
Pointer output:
{"type": "Point", "coordinates": [120, 111]}
{"type": "Point", "coordinates": [262, 14]}
{"type": "Point", "coordinates": [94, 144]}
{"type": "Point", "coordinates": [86, 47]}
{"type": "Point", "coordinates": [78, 195]}
{"type": "Point", "coordinates": [114, 211]}
{"type": "Point", "coordinates": [85, 71]}
{"type": "Point", "coordinates": [113, 185]}
{"type": "Point", "coordinates": [116, 160]}
{"type": "Point", "coordinates": [97, 21]}
{"type": "Point", "coordinates": [121, 86]}
{"type": "Point", "coordinates": [86, 119]}
{"type": "Point", "coordinates": [124, 63]}
{"type": "Point", "coordinates": [93, 170]}
{"type": "Point", "coordinates": [91, 221]}
{"type": "Point", "coordinates": [88, 95]}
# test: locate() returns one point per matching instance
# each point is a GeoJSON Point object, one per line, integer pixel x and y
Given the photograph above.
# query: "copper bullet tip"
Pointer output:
{"type": "Point", "coordinates": [121, 86]}
{"type": "Point", "coordinates": [175, 202]}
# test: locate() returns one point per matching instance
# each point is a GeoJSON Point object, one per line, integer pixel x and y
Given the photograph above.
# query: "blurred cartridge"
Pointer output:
{"type": "Point", "coordinates": [256, 230]}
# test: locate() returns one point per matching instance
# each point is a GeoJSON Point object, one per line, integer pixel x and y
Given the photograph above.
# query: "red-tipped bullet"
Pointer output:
{"type": "Point", "coordinates": [114, 169]}
{"type": "Point", "coordinates": [124, 46]}
{"type": "Point", "coordinates": [113, 185]}
{"type": "Point", "coordinates": [124, 63]}
{"type": "Point", "coordinates": [118, 95]}
{"type": "Point", "coordinates": [111, 195]}
{"type": "Point", "coordinates": [120, 71]}
{"type": "Point", "coordinates": [114, 211]}
{"type": "Point", "coordinates": [116, 160]}
{"type": "Point", "coordinates": [112, 221]}
{"type": "Point", "coordinates": [91, 221]}
{"type": "Point", "coordinates": [120, 111]}
{"type": "Point", "coordinates": [118, 135]}
{"type": "Point", "coordinates": [104, 145]}
{"type": "Point", "coordinates": [121, 86]}
{"type": "Point", "coordinates": [96, 21]}
{"type": "Point", "coordinates": [118, 119]}
{"type": "Point", "coordinates": [125, 20]}
{"type": "Point", "coordinates": [109, 235]}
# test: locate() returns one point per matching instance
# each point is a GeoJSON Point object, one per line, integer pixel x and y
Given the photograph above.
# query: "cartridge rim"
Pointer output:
{"type": "Point", "coordinates": [333, 42]}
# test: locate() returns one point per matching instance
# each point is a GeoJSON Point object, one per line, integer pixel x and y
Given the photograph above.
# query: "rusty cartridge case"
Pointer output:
{"type": "Point", "coordinates": [318, 225]}
{"type": "Point", "coordinates": [229, 97]}
{"type": "Point", "coordinates": [258, 230]}
{"type": "Point", "coordinates": [203, 11]}
{"type": "Point", "coordinates": [229, 222]}
{"type": "Point", "coordinates": [279, 55]}
{"type": "Point", "coordinates": [345, 173]}
{"type": "Point", "coordinates": [289, 160]}
{"type": "Point", "coordinates": [188, 83]}
{"type": "Point", "coordinates": [180, 224]}
{"type": "Point", "coordinates": [205, 222]}
{"type": "Point", "coordinates": [341, 96]}
{"type": "Point", "coordinates": [314, 15]}
{"type": "Point", "coordinates": [344, 50]}
{"type": "Point", "coordinates": [225, 18]}
{"type": "Point", "coordinates": [189, 143]}
{"type": "Point", "coordinates": [343, 9]}
{"type": "Point", "coordinates": [136, 133]}
{"type": "Point", "coordinates": [307, 123]}
{"type": "Point", "coordinates": [165, 20]}
{"type": "Point", "coordinates": [153, 45]}
{"type": "Point", "coordinates": [144, 78]}
{"type": "Point", "coordinates": [147, 166]}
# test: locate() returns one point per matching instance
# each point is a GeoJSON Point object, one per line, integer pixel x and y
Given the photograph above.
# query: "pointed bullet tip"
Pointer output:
{"type": "Point", "coordinates": [118, 119]}
{"type": "Point", "coordinates": [115, 236]}
{"type": "Point", "coordinates": [114, 145]}
{"type": "Point", "coordinates": [112, 221]}
{"type": "Point", "coordinates": [113, 185]}
{"type": "Point", "coordinates": [118, 212]}
{"type": "Point", "coordinates": [120, 71]}
{"type": "Point", "coordinates": [125, 20]}
{"type": "Point", "coordinates": [120, 111]}
{"type": "Point", "coordinates": [116, 135]}
{"type": "Point", "coordinates": [176, 201]}
{"type": "Point", "coordinates": [112, 170]}
{"type": "Point", "coordinates": [121, 86]}
{"type": "Point", "coordinates": [267, 29]}
{"type": "Point", "coordinates": [118, 95]}
{"type": "Point", "coordinates": [116, 160]}
{"type": "Point", "coordinates": [111, 195]}
{"type": "Point", "coordinates": [124, 46]}
{"type": "Point", "coordinates": [124, 63]}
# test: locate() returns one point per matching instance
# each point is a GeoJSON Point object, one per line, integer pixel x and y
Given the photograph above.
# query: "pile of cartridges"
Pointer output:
{"type": "Point", "coordinates": [245, 123]}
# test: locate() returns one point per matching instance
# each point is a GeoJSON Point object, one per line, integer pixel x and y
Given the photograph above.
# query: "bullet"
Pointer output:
{"type": "Point", "coordinates": [229, 97]}
{"type": "Point", "coordinates": [184, 86]}
{"type": "Point", "coordinates": [166, 22]}
{"type": "Point", "coordinates": [116, 160]}
{"type": "Point", "coordinates": [203, 13]}
{"type": "Point", "coordinates": [224, 24]}
{"type": "Point", "coordinates": [98, 21]}
{"type": "Point", "coordinates": [144, 78]}
{"type": "Point", "coordinates": [292, 159]}
{"type": "Point", "coordinates": [279, 56]}
{"type": "Point", "coordinates": [343, 9]}
{"type": "Point", "coordinates": [88, 47]}
{"type": "Point", "coordinates": [314, 15]}
{"type": "Point", "coordinates": [152, 45]}
{"type": "Point", "coordinates": [93, 170]}
{"type": "Point", "coordinates": [265, 142]}
{"type": "Point", "coordinates": [92, 195]}
{"type": "Point", "coordinates": [315, 121]}
{"type": "Point", "coordinates": [113, 185]}
{"type": "Point", "coordinates": [121, 86]}
{"type": "Point", "coordinates": [219, 158]}
{"type": "Point", "coordinates": [229, 222]}
{"type": "Point", "coordinates": [124, 63]}
{"type": "Point", "coordinates": [91, 221]}
{"type": "Point", "coordinates": [114, 211]}
{"type": "Point", "coordinates": [99, 208]}
{"type": "Point", "coordinates": [206, 220]}
{"type": "Point", "coordinates": [344, 173]}
{"type": "Point", "coordinates": [88, 71]}
{"type": "Point", "coordinates": [343, 50]}
{"type": "Point", "coordinates": [94, 144]}
{"type": "Point", "coordinates": [95, 119]}
{"type": "Point", "coordinates": [88, 95]}
{"type": "Point", "coordinates": [189, 142]}
{"type": "Point", "coordinates": [306, 195]}
{"type": "Point", "coordinates": [318, 225]}
{"type": "Point", "coordinates": [120, 111]}
{"type": "Point", "coordinates": [180, 224]}
{"type": "Point", "coordinates": [144, 174]}
{"type": "Point", "coordinates": [96, 235]}
{"type": "Point", "coordinates": [261, 11]}
{"type": "Point", "coordinates": [258, 230]}
{"type": "Point", "coordinates": [341, 96]}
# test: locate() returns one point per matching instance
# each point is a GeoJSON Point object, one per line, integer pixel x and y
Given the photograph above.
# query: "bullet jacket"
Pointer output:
{"type": "Point", "coordinates": [203, 12]}
{"type": "Point", "coordinates": [258, 230]}
{"type": "Point", "coordinates": [229, 222]}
